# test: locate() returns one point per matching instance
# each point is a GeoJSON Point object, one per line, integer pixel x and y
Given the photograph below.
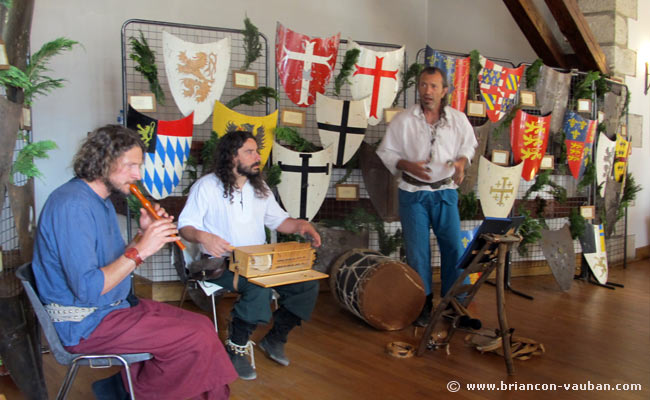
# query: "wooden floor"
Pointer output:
{"type": "Point", "coordinates": [592, 336]}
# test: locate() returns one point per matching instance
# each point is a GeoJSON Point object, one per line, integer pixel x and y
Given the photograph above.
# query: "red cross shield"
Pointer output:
{"type": "Point", "coordinates": [305, 65]}
{"type": "Point", "coordinates": [529, 138]}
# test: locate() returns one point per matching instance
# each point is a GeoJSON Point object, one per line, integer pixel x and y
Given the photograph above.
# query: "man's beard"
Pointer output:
{"type": "Point", "coordinates": [112, 189]}
{"type": "Point", "coordinates": [248, 171]}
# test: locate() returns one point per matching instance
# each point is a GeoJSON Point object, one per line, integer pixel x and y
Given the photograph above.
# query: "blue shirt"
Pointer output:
{"type": "Point", "coordinates": [78, 234]}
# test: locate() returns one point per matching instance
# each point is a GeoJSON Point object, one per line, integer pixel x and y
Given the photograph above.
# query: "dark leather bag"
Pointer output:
{"type": "Point", "coordinates": [208, 267]}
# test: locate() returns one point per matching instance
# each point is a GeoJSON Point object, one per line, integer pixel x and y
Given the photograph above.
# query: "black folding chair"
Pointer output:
{"type": "Point", "coordinates": [62, 356]}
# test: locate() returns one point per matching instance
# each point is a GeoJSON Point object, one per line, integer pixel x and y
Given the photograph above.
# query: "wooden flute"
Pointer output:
{"type": "Point", "coordinates": [149, 207]}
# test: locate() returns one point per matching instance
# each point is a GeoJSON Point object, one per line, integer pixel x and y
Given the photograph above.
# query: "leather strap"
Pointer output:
{"type": "Point", "coordinates": [433, 185]}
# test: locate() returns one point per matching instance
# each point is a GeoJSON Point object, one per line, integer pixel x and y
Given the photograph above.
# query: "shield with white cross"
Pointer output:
{"type": "Point", "coordinates": [497, 187]}
{"type": "Point", "coordinates": [197, 73]}
{"type": "Point", "coordinates": [376, 74]}
{"type": "Point", "coordinates": [304, 180]}
{"type": "Point", "coordinates": [167, 150]}
{"type": "Point", "coordinates": [341, 124]}
{"type": "Point", "coordinates": [305, 64]}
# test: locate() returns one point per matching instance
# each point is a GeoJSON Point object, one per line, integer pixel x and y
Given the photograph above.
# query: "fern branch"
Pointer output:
{"type": "Point", "coordinates": [24, 163]}
{"type": "Point", "coordinates": [252, 45]}
{"type": "Point", "coordinates": [351, 58]}
{"type": "Point", "coordinates": [293, 139]}
{"type": "Point", "coordinates": [408, 79]}
{"type": "Point", "coordinates": [252, 97]}
{"type": "Point", "coordinates": [146, 59]}
{"type": "Point", "coordinates": [532, 73]}
{"type": "Point", "coordinates": [474, 69]}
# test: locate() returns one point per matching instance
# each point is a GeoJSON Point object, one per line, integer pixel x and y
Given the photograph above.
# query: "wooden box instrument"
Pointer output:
{"type": "Point", "coordinates": [275, 264]}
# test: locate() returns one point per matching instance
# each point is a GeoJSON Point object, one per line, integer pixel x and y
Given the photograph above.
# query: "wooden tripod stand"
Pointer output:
{"type": "Point", "coordinates": [491, 255]}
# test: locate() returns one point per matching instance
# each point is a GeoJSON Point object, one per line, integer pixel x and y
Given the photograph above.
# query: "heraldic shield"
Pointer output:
{"type": "Point", "coordinates": [457, 71]}
{"type": "Point", "coordinates": [225, 120]}
{"type": "Point", "coordinates": [305, 65]}
{"type": "Point", "coordinates": [529, 138]}
{"type": "Point", "coordinates": [552, 93]}
{"type": "Point", "coordinates": [580, 133]}
{"type": "Point", "coordinates": [377, 74]}
{"type": "Point", "coordinates": [341, 124]}
{"type": "Point", "coordinates": [167, 149]}
{"type": "Point", "coordinates": [497, 187]}
{"type": "Point", "coordinates": [604, 161]}
{"type": "Point", "coordinates": [620, 161]}
{"type": "Point", "coordinates": [557, 247]}
{"type": "Point", "coordinates": [196, 73]}
{"type": "Point", "coordinates": [593, 248]}
{"type": "Point", "coordinates": [304, 181]}
{"type": "Point", "coordinates": [482, 134]}
{"type": "Point", "coordinates": [499, 86]}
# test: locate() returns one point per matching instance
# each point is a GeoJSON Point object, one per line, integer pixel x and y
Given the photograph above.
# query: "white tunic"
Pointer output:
{"type": "Point", "coordinates": [240, 222]}
{"type": "Point", "coordinates": [409, 137]}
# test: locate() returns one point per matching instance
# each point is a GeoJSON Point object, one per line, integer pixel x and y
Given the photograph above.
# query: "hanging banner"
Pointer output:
{"type": "Point", "coordinates": [499, 86]}
{"type": "Point", "coordinates": [529, 138]}
{"type": "Point", "coordinates": [552, 93]}
{"type": "Point", "coordinates": [620, 162]}
{"type": "Point", "coordinates": [226, 120]}
{"type": "Point", "coordinates": [457, 71]}
{"type": "Point", "coordinates": [378, 75]}
{"type": "Point", "coordinates": [497, 187]}
{"type": "Point", "coordinates": [557, 247]}
{"type": "Point", "coordinates": [593, 248]}
{"type": "Point", "coordinates": [341, 124]}
{"type": "Point", "coordinates": [604, 161]}
{"type": "Point", "coordinates": [167, 149]}
{"type": "Point", "coordinates": [304, 181]}
{"type": "Point", "coordinates": [196, 73]}
{"type": "Point", "coordinates": [305, 65]}
{"type": "Point", "coordinates": [580, 133]}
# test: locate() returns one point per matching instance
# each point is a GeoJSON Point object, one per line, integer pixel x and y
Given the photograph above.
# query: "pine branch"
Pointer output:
{"type": "Point", "coordinates": [24, 163]}
{"type": "Point", "coordinates": [532, 73]}
{"type": "Point", "coordinates": [408, 79]}
{"type": "Point", "coordinates": [254, 96]}
{"type": "Point", "coordinates": [583, 89]}
{"type": "Point", "coordinates": [351, 58]}
{"type": "Point", "coordinates": [589, 176]}
{"type": "Point", "coordinates": [474, 69]}
{"type": "Point", "coordinates": [293, 139]}
{"type": "Point", "coordinates": [506, 121]}
{"type": "Point", "coordinates": [252, 45]}
{"type": "Point", "coordinates": [146, 59]}
{"type": "Point", "coordinates": [273, 175]}
{"type": "Point", "coordinates": [577, 223]}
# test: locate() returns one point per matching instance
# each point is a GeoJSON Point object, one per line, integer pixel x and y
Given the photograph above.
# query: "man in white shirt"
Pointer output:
{"type": "Point", "coordinates": [229, 207]}
{"type": "Point", "coordinates": [430, 144]}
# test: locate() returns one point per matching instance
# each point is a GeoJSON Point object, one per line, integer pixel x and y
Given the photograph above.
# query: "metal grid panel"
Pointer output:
{"type": "Point", "coordinates": [158, 267]}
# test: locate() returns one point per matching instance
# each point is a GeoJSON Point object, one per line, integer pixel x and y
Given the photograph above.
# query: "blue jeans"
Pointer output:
{"type": "Point", "coordinates": [419, 211]}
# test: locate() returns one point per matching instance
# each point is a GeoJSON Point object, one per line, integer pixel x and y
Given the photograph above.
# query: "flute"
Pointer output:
{"type": "Point", "coordinates": [149, 207]}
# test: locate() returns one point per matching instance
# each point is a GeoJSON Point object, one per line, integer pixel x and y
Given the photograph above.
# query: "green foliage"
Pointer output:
{"type": "Point", "coordinates": [192, 168]}
{"type": "Point", "coordinates": [467, 205]}
{"type": "Point", "coordinates": [474, 69]}
{"type": "Point", "coordinates": [252, 45]}
{"type": "Point", "coordinates": [602, 86]}
{"type": "Point", "coordinates": [589, 177]}
{"type": "Point", "coordinates": [32, 81]}
{"type": "Point", "coordinates": [544, 179]}
{"type": "Point", "coordinates": [350, 166]}
{"type": "Point", "coordinates": [532, 73]}
{"type": "Point", "coordinates": [208, 150]}
{"type": "Point", "coordinates": [289, 237]}
{"type": "Point", "coordinates": [626, 106]}
{"type": "Point", "coordinates": [6, 3]}
{"type": "Point", "coordinates": [292, 138]}
{"type": "Point", "coordinates": [146, 59]}
{"type": "Point", "coordinates": [351, 58]}
{"type": "Point", "coordinates": [273, 175]}
{"type": "Point", "coordinates": [530, 231]}
{"type": "Point", "coordinates": [506, 122]}
{"type": "Point", "coordinates": [408, 80]}
{"type": "Point", "coordinates": [584, 89]}
{"type": "Point", "coordinates": [254, 96]}
{"type": "Point", "coordinates": [577, 223]}
{"type": "Point", "coordinates": [24, 163]}
{"type": "Point", "coordinates": [629, 195]}
{"type": "Point", "coordinates": [561, 164]}
{"type": "Point", "coordinates": [360, 219]}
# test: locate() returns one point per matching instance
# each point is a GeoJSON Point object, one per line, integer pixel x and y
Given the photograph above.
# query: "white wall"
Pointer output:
{"type": "Point", "coordinates": [92, 95]}
{"type": "Point", "coordinates": [639, 165]}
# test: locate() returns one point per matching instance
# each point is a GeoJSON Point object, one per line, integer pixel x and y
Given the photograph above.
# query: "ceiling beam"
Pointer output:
{"type": "Point", "coordinates": [537, 31]}
{"type": "Point", "coordinates": [575, 28]}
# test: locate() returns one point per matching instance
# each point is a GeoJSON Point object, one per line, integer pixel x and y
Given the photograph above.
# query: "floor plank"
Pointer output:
{"type": "Point", "coordinates": [591, 334]}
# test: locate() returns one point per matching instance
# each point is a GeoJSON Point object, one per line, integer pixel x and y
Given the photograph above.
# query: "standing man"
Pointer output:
{"type": "Point", "coordinates": [229, 207]}
{"type": "Point", "coordinates": [83, 274]}
{"type": "Point", "coordinates": [431, 144]}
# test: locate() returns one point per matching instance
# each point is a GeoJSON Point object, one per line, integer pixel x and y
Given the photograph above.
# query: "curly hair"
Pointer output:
{"type": "Point", "coordinates": [224, 164]}
{"type": "Point", "coordinates": [101, 148]}
{"type": "Point", "coordinates": [445, 99]}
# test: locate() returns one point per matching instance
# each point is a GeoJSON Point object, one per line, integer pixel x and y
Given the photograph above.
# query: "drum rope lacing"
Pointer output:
{"type": "Point", "coordinates": [351, 301]}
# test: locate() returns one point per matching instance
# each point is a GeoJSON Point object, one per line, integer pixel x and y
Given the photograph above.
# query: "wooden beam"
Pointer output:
{"type": "Point", "coordinates": [574, 26]}
{"type": "Point", "coordinates": [537, 31]}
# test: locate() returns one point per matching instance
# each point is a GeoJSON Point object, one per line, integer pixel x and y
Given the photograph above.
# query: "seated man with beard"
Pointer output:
{"type": "Point", "coordinates": [230, 207]}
